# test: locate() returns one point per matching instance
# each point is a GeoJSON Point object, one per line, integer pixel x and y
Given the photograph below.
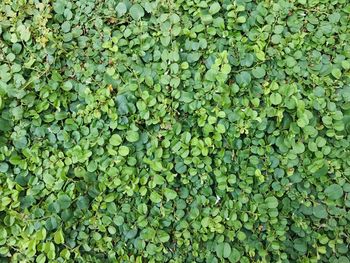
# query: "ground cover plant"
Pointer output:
{"type": "Point", "coordinates": [174, 131]}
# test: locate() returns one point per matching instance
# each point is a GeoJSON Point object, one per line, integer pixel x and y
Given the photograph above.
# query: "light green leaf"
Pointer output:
{"type": "Point", "coordinates": [115, 140]}
{"type": "Point", "coordinates": [214, 8]}
{"type": "Point", "coordinates": [235, 256]}
{"type": "Point", "coordinates": [221, 128]}
{"type": "Point", "coordinates": [58, 237]}
{"type": "Point", "coordinates": [275, 98]}
{"type": "Point", "coordinates": [336, 73]}
{"type": "Point", "coordinates": [158, 179]}
{"type": "Point", "coordinates": [163, 236]}
{"type": "Point", "coordinates": [132, 136]}
{"type": "Point", "coordinates": [136, 12]}
{"type": "Point", "coordinates": [170, 194]}
{"type": "Point", "coordinates": [121, 9]}
{"type": "Point", "coordinates": [123, 150]}
{"type": "Point", "coordinates": [155, 197]}
{"type": "Point", "coordinates": [23, 32]}
{"type": "Point", "coordinates": [345, 64]}
{"type": "Point", "coordinates": [241, 19]}
{"type": "Point", "coordinates": [271, 202]}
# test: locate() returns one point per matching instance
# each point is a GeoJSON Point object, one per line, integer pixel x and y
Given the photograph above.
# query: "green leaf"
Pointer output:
{"type": "Point", "coordinates": [4, 167]}
{"type": "Point", "coordinates": [50, 250]}
{"type": "Point", "coordinates": [5, 125]}
{"type": "Point", "coordinates": [82, 203]}
{"type": "Point", "coordinates": [320, 211]}
{"type": "Point", "coordinates": [136, 11]}
{"type": "Point", "coordinates": [123, 150]}
{"type": "Point", "coordinates": [115, 140]}
{"type": "Point", "coordinates": [275, 98]}
{"type": "Point", "coordinates": [148, 233]}
{"type": "Point", "coordinates": [300, 245]}
{"type": "Point", "coordinates": [155, 197]}
{"type": "Point", "coordinates": [271, 202]}
{"type": "Point", "coordinates": [226, 69]}
{"type": "Point", "coordinates": [163, 236]}
{"type": "Point", "coordinates": [235, 256]}
{"type": "Point", "coordinates": [170, 194]}
{"type": "Point", "coordinates": [66, 26]}
{"type": "Point", "coordinates": [59, 7]}
{"type": "Point", "coordinates": [345, 64]}
{"type": "Point", "coordinates": [302, 122]}
{"type": "Point", "coordinates": [243, 78]}
{"type": "Point", "coordinates": [334, 191]}
{"type": "Point", "coordinates": [241, 19]}
{"type": "Point", "coordinates": [23, 32]}
{"type": "Point", "coordinates": [221, 128]}
{"type": "Point", "coordinates": [64, 201]}
{"type": "Point", "coordinates": [58, 237]}
{"type": "Point", "coordinates": [214, 8]}
{"type": "Point", "coordinates": [132, 136]}
{"type": "Point", "coordinates": [180, 168]}
{"type": "Point", "coordinates": [67, 86]}
{"type": "Point", "coordinates": [20, 142]}
{"type": "Point", "coordinates": [259, 72]}
{"type": "Point", "coordinates": [336, 73]}
{"type": "Point", "coordinates": [121, 9]}
{"type": "Point", "coordinates": [223, 250]}
{"type": "Point", "coordinates": [118, 220]}
{"type": "Point", "coordinates": [291, 62]}
{"type": "Point", "coordinates": [41, 259]}
{"type": "Point", "coordinates": [158, 179]}
{"type": "Point", "coordinates": [227, 250]}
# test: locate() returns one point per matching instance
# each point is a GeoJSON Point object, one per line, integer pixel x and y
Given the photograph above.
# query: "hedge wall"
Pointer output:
{"type": "Point", "coordinates": [174, 131]}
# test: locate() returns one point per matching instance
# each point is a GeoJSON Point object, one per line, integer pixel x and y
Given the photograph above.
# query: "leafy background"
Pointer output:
{"type": "Point", "coordinates": [174, 131]}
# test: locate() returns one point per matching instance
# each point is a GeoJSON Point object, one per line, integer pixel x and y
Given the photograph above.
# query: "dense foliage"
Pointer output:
{"type": "Point", "coordinates": [174, 131]}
